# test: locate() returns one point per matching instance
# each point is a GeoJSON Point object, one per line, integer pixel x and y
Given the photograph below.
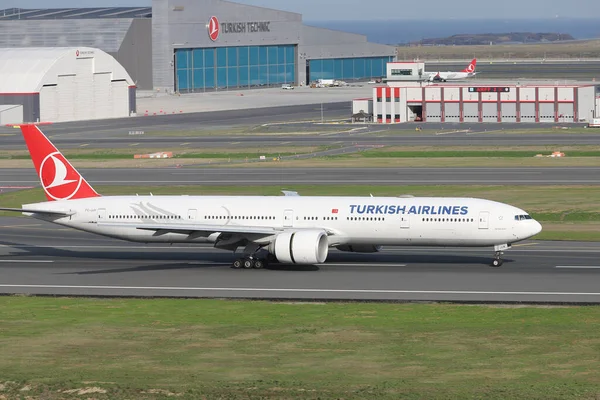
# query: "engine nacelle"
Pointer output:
{"type": "Point", "coordinates": [361, 248]}
{"type": "Point", "coordinates": [301, 247]}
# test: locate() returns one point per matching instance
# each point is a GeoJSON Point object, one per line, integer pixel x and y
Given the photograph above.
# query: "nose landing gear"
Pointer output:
{"type": "Point", "coordinates": [499, 249]}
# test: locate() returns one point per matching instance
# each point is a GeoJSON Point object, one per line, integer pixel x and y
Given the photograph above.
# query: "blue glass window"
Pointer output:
{"type": "Point", "coordinates": [262, 55]}
{"type": "Point", "coordinates": [222, 57]}
{"type": "Point", "coordinates": [209, 78]}
{"type": "Point", "coordinates": [290, 57]}
{"type": "Point", "coordinates": [222, 77]}
{"type": "Point", "coordinates": [244, 77]}
{"type": "Point", "coordinates": [243, 54]}
{"type": "Point", "coordinates": [263, 75]}
{"type": "Point", "coordinates": [254, 59]}
{"type": "Point", "coordinates": [209, 58]}
{"type": "Point", "coordinates": [232, 57]}
{"type": "Point", "coordinates": [182, 79]}
{"type": "Point", "coordinates": [254, 76]}
{"type": "Point", "coordinates": [230, 67]}
{"type": "Point", "coordinates": [232, 77]}
{"type": "Point", "coordinates": [181, 59]}
{"type": "Point", "coordinates": [198, 79]}
{"type": "Point", "coordinates": [198, 57]}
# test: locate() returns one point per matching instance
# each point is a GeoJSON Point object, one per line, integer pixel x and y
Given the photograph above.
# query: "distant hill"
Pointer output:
{"type": "Point", "coordinates": [495, 38]}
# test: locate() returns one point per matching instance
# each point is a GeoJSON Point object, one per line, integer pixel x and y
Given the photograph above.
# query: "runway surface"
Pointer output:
{"type": "Point", "coordinates": [320, 176]}
{"type": "Point", "coordinates": [40, 258]}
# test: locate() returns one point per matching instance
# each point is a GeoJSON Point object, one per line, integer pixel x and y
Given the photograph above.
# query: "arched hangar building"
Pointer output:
{"type": "Point", "coordinates": [202, 45]}
{"type": "Point", "coordinates": [56, 84]}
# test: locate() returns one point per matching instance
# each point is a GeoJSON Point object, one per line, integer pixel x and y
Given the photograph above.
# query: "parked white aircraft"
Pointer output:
{"type": "Point", "coordinates": [452, 76]}
{"type": "Point", "coordinates": [289, 229]}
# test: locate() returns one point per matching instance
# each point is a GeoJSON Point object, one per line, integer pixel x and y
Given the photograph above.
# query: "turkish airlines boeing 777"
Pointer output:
{"type": "Point", "coordinates": [289, 229]}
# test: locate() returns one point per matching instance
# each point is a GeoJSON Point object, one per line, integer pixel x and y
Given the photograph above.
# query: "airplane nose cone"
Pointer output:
{"type": "Point", "coordinates": [536, 228]}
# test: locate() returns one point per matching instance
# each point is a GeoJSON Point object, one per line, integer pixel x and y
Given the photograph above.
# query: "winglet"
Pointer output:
{"type": "Point", "coordinates": [59, 179]}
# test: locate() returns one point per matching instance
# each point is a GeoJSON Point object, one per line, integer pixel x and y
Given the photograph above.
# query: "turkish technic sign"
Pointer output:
{"type": "Point", "coordinates": [215, 28]}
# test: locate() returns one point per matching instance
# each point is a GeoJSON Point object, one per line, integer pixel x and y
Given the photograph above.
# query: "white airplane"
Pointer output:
{"type": "Point", "coordinates": [288, 229]}
{"type": "Point", "coordinates": [466, 73]}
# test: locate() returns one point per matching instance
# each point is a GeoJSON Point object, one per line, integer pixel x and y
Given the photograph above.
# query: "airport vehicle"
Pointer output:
{"type": "Point", "coordinates": [287, 86]}
{"type": "Point", "coordinates": [466, 73]}
{"type": "Point", "coordinates": [288, 229]}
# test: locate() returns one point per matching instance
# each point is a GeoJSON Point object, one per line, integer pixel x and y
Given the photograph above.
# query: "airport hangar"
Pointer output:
{"type": "Point", "coordinates": [202, 45]}
{"type": "Point", "coordinates": [409, 97]}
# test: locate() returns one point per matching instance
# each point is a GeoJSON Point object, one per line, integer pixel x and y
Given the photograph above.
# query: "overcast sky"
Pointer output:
{"type": "Point", "coordinates": [313, 10]}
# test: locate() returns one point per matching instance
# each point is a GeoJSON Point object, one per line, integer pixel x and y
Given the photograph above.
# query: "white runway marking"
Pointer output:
{"type": "Point", "coordinates": [578, 266]}
{"type": "Point", "coordinates": [26, 261]}
{"type": "Point", "coordinates": [298, 290]}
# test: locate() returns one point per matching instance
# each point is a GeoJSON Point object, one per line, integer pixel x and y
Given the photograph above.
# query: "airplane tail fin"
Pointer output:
{"type": "Point", "coordinates": [471, 67]}
{"type": "Point", "coordinates": [59, 179]}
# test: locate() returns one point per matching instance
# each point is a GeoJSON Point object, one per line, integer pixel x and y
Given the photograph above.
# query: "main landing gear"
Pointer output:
{"type": "Point", "coordinates": [255, 257]}
{"type": "Point", "coordinates": [499, 249]}
{"type": "Point", "coordinates": [250, 263]}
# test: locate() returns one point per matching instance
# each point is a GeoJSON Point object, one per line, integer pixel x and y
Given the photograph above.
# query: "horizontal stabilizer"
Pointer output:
{"type": "Point", "coordinates": [31, 210]}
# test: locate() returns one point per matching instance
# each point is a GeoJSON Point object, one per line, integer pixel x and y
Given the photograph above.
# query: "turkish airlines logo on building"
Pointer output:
{"type": "Point", "coordinates": [213, 28]}
{"type": "Point", "coordinates": [59, 180]}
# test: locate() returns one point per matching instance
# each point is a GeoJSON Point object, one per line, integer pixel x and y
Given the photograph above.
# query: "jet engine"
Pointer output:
{"type": "Point", "coordinates": [364, 248]}
{"type": "Point", "coordinates": [301, 247]}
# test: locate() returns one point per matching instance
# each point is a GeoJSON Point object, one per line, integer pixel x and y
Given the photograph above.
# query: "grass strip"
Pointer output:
{"type": "Point", "coordinates": [55, 348]}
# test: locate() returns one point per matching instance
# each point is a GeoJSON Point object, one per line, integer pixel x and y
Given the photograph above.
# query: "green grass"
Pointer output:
{"type": "Point", "coordinates": [566, 212]}
{"type": "Point", "coordinates": [467, 154]}
{"type": "Point", "coordinates": [217, 349]}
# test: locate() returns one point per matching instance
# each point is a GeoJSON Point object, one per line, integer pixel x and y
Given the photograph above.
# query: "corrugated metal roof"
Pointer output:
{"type": "Point", "coordinates": [10, 14]}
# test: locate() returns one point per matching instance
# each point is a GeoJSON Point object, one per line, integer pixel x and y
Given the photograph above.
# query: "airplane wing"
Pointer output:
{"type": "Point", "coordinates": [35, 211]}
{"type": "Point", "coordinates": [195, 228]}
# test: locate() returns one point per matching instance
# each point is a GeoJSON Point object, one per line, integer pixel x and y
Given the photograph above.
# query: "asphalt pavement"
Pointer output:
{"type": "Point", "coordinates": [41, 258]}
{"type": "Point", "coordinates": [26, 177]}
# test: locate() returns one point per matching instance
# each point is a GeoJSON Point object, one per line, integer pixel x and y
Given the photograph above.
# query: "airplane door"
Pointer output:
{"type": "Point", "coordinates": [484, 219]}
{"type": "Point", "coordinates": [192, 214]}
{"type": "Point", "coordinates": [101, 214]}
{"type": "Point", "coordinates": [405, 222]}
{"type": "Point", "coordinates": [288, 218]}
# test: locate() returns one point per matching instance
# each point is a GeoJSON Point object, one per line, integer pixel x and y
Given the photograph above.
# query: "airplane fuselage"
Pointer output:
{"type": "Point", "coordinates": [390, 221]}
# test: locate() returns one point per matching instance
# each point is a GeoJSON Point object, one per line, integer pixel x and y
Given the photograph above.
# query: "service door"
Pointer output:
{"type": "Point", "coordinates": [405, 222]}
{"type": "Point", "coordinates": [565, 112]}
{"type": "Point", "coordinates": [509, 112]}
{"type": "Point", "coordinates": [452, 112]}
{"type": "Point", "coordinates": [471, 112]}
{"type": "Point", "coordinates": [546, 112]}
{"type": "Point", "coordinates": [527, 112]}
{"type": "Point", "coordinates": [288, 218]}
{"type": "Point", "coordinates": [102, 99]}
{"type": "Point", "coordinates": [489, 112]}
{"type": "Point", "coordinates": [102, 214]}
{"type": "Point", "coordinates": [484, 220]}
{"type": "Point", "coordinates": [433, 112]}
{"type": "Point", "coordinates": [66, 98]}
{"type": "Point", "coordinates": [49, 103]}
{"type": "Point", "coordinates": [192, 214]}
{"type": "Point", "coordinates": [119, 93]}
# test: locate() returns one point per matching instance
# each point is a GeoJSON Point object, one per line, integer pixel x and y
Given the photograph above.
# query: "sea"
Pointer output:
{"type": "Point", "coordinates": [396, 32]}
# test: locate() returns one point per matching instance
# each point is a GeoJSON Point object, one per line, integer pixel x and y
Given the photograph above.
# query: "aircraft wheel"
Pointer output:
{"type": "Point", "coordinates": [497, 262]}
{"type": "Point", "coordinates": [259, 264]}
{"type": "Point", "coordinates": [248, 263]}
{"type": "Point", "coordinates": [237, 264]}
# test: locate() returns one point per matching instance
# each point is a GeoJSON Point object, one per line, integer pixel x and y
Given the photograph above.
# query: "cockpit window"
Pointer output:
{"type": "Point", "coordinates": [522, 217]}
